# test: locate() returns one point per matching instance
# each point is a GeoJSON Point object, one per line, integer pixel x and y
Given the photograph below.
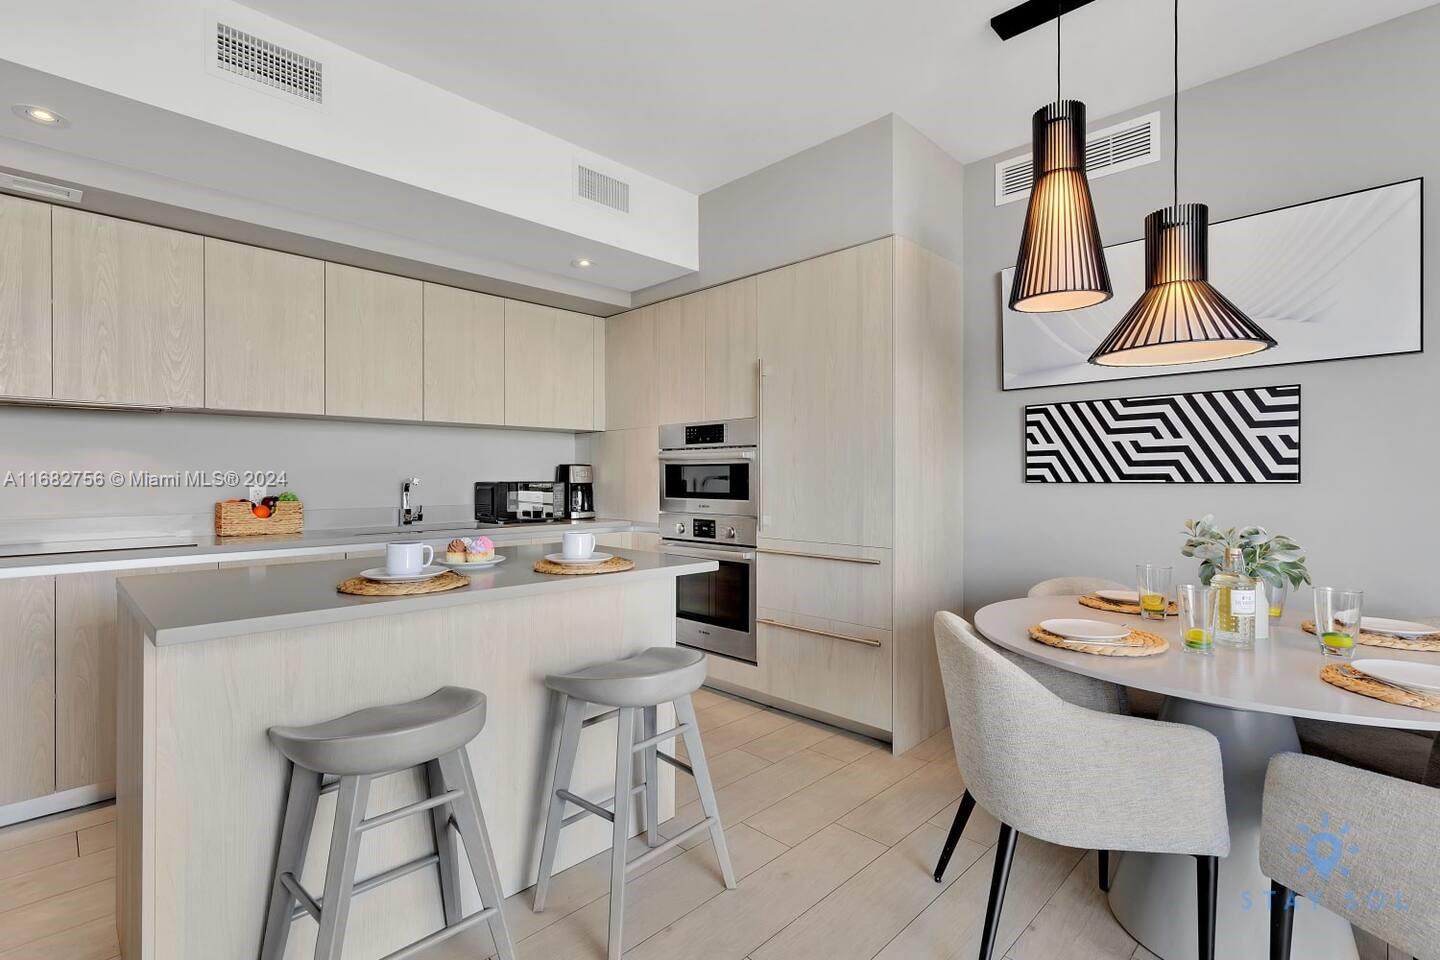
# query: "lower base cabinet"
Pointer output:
{"type": "Point", "coordinates": [27, 688]}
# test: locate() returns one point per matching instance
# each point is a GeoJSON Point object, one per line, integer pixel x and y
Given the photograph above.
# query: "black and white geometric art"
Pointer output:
{"type": "Point", "coordinates": [1220, 436]}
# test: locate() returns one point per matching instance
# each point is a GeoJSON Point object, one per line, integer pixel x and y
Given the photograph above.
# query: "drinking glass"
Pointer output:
{"type": "Point", "coordinates": [1275, 599]}
{"type": "Point", "coordinates": [1197, 617]}
{"type": "Point", "coordinates": [1337, 620]}
{"type": "Point", "coordinates": [1153, 585]}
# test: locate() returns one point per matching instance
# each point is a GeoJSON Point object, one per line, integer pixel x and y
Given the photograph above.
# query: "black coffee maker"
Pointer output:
{"type": "Point", "coordinates": [575, 500]}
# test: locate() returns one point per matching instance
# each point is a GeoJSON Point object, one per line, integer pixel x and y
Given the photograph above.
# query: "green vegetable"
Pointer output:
{"type": "Point", "coordinates": [289, 497]}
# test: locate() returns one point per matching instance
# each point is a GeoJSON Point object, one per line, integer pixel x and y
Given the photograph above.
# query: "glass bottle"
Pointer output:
{"type": "Point", "coordinates": [1235, 602]}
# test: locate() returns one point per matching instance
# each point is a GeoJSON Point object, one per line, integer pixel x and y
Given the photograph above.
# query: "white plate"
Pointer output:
{"type": "Point", "coordinates": [1119, 596]}
{"type": "Point", "coordinates": [379, 575]}
{"type": "Point", "coordinates": [1398, 628]}
{"type": "Point", "coordinates": [1419, 677]}
{"type": "Point", "coordinates": [577, 561]}
{"type": "Point", "coordinates": [1096, 631]}
{"type": "Point", "coordinates": [470, 565]}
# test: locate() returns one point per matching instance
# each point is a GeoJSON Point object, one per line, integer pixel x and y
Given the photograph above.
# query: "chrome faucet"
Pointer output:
{"type": "Point", "coordinates": [409, 514]}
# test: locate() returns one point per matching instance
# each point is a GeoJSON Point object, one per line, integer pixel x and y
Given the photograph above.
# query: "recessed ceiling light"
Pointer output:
{"type": "Point", "coordinates": [41, 115]}
{"type": "Point", "coordinates": [583, 263]}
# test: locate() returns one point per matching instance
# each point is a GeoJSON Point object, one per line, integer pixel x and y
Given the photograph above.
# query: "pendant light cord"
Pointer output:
{"type": "Point", "coordinates": [1059, 12]}
{"type": "Point", "coordinates": [1176, 108]}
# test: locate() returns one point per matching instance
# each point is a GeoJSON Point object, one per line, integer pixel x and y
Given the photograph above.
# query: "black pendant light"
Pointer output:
{"type": "Point", "coordinates": [1061, 265]}
{"type": "Point", "coordinates": [1180, 318]}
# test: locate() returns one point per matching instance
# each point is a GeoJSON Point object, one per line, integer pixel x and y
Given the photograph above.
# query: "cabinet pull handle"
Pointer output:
{"type": "Point", "coordinates": [865, 641]}
{"type": "Point", "coordinates": [760, 445]}
{"type": "Point", "coordinates": [818, 556]}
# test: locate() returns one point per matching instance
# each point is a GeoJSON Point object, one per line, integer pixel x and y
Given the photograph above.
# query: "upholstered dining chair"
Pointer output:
{"type": "Point", "coordinates": [1073, 586]}
{"type": "Point", "coordinates": [1360, 844]}
{"type": "Point", "coordinates": [1075, 777]}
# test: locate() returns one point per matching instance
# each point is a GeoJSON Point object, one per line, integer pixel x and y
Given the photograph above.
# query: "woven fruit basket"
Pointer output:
{"type": "Point", "coordinates": [239, 520]}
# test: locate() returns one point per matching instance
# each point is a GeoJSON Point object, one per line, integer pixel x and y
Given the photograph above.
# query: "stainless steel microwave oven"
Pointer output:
{"type": "Point", "coordinates": [710, 468]}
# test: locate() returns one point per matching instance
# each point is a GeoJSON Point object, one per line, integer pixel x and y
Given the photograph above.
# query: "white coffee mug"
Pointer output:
{"type": "Point", "coordinates": [407, 559]}
{"type": "Point", "coordinates": [578, 546]}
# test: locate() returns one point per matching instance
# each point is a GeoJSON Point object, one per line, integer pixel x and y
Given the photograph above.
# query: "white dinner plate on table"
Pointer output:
{"type": "Point", "coordinates": [1086, 631]}
{"type": "Point", "coordinates": [1119, 596]}
{"type": "Point", "coordinates": [469, 564]}
{"type": "Point", "coordinates": [379, 575]}
{"type": "Point", "coordinates": [1398, 628]}
{"type": "Point", "coordinates": [577, 561]}
{"type": "Point", "coordinates": [1419, 677]}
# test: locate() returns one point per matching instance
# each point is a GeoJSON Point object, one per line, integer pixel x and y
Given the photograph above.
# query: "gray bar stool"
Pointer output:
{"type": "Point", "coordinates": [633, 688]}
{"type": "Point", "coordinates": [358, 748]}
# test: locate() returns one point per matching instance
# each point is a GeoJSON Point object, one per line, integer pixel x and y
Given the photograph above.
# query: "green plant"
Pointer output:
{"type": "Point", "coordinates": [1271, 557]}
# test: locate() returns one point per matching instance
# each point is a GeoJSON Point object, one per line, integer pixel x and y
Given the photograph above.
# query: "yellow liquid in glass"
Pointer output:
{"type": "Point", "coordinates": [1197, 637]}
{"type": "Point", "coordinates": [1337, 640]}
{"type": "Point", "coordinates": [1275, 611]}
{"type": "Point", "coordinates": [1153, 602]}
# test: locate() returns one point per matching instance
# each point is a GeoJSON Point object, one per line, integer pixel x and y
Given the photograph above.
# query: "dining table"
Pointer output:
{"type": "Point", "coordinates": [1249, 699]}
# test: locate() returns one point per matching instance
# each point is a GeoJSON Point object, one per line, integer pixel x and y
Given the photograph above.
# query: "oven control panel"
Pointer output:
{"type": "Point", "coordinates": [736, 531]}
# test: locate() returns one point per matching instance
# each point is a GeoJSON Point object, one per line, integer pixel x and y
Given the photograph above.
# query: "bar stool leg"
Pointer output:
{"type": "Point", "coordinates": [624, 782]}
{"type": "Point", "coordinates": [695, 752]}
{"type": "Point", "coordinates": [444, 846]}
{"type": "Point", "coordinates": [652, 779]}
{"type": "Point", "coordinates": [572, 713]}
{"type": "Point", "coordinates": [350, 804]}
{"type": "Point", "coordinates": [471, 822]}
{"type": "Point", "coordinates": [303, 793]}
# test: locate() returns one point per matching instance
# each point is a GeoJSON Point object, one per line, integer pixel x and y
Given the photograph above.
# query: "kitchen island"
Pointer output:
{"type": "Point", "coordinates": [209, 661]}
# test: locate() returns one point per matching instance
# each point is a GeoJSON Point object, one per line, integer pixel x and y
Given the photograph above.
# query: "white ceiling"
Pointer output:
{"type": "Point", "coordinates": [699, 92]}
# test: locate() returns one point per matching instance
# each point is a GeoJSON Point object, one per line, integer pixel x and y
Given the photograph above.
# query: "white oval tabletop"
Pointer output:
{"type": "Point", "coordinates": [1281, 675]}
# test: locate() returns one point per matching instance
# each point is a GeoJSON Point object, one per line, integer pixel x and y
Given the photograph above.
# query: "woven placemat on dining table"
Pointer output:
{"type": "Point", "coordinates": [1430, 643]}
{"type": "Point", "coordinates": [364, 587]}
{"type": "Point", "coordinates": [1140, 643]}
{"type": "Point", "coordinates": [1347, 677]}
{"type": "Point", "coordinates": [1116, 606]}
{"type": "Point", "coordinates": [613, 565]}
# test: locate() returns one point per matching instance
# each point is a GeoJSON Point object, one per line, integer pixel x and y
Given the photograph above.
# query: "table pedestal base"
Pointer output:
{"type": "Point", "coordinates": [1153, 896]}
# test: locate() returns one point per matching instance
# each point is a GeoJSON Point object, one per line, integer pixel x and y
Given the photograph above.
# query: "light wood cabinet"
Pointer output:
{"type": "Point", "coordinates": [627, 482]}
{"type": "Point", "coordinates": [464, 356]}
{"type": "Point", "coordinates": [680, 359]}
{"type": "Point", "coordinates": [731, 351]}
{"type": "Point", "coordinates": [129, 324]}
{"type": "Point", "coordinates": [374, 345]}
{"type": "Point", "coordinates": [549, 367]}
{"type": "Point", "coordinates": [27, 689]}
{"type": "Point", "coordinates": [264, 330]}
{"type": "Point", "coordinates": [598, 391]}
{"type": "Point", "coordinates": [840, 669]}
{"type": "Point", "coordinates": [850, 584]}
{"type": "Point", "coordinates": [827, 404]}
{"type": "Point", "coordinates": [24, 298]}
{"type": "Point", "coordinates": [85, 631]}
{"type": "Point", "coordinates": [630, 370]}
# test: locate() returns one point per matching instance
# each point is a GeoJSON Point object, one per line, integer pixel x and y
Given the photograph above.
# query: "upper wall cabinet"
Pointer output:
{"type": "Point", "coordinates": [630, 370]}
{"type": "Point", "coordinates": [549, 367]}
{"type": "Point", "coordinates": [728, 331]}
{"type": "Point", "coordinates": [826, 414]}
{"type": "Point", "coordinates": [374, 344]}
{"type": "Point", "coordinates": [680, 359]}
{"type": "Point", "coordinates": [264, 330]}
{"type": "Point", "coordinates": [464, 356]}
{"type": "Point", "coordinates": [129, 324]}
{"type": "Point", "coordinates": [24, 298]}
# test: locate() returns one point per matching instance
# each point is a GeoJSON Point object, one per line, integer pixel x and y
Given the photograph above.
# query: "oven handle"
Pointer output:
{"type": "Point", "coordinates": [710, 455]}
{"type": "Point", "coordinates": [819, 633]}
{"type": "Point", "coordinates": [731, 555]}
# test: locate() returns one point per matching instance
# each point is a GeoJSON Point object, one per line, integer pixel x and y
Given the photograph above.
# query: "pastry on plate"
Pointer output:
{"type": "Point", "coordinates": [479, 549]}
{"type": "Point", "coordinates": [455, 551]}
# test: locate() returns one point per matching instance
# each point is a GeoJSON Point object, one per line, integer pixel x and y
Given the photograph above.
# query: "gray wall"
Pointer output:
{"type": "Point", "coordinates": [1353, 113]}
{"type": "Point", "coordinates": [332, 465]}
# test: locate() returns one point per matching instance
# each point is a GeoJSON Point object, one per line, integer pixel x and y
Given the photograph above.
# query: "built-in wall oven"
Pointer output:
{"type": "Point", "coordinates": [708, 509]}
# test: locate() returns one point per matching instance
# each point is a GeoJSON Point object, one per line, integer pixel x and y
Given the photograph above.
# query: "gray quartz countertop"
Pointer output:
{"type": "Point", "coordinates": [212, 604]}
{"type": "Point", "coordinates": [135, 553]}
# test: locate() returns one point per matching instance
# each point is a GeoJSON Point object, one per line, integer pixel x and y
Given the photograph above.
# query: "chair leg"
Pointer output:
{"type": "Point", "coordinates": [695, 755]}
{"type": "Point", "coordinates": [999, 879]}
{"type": "Point", "coordinates": [652, 778]}
{"type": "Point", "coordinates": [624, 781]}
{"type": "Point", "coordinates": [1207, 884]}
{"type": "Point", "coordinates": [471, 822]}
{"type": "Point", "coordinates": [444, 846]}
{"type": "Point", "coordinates": [350, 804]}
{"type": "Point", "coordinates": [952, 839]}
{"type": "Point", "coordinates": [1105, 870]}
{"type": "Point", "coordinates": [572, 713]}
{"type": "Point", "coordinates": [302, 795]}
{"type": "Point", "coordinates": [1282, 920]}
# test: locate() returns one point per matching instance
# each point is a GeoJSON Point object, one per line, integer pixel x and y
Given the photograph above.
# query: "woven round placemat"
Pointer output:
{"type": "Point", "coordinates": [1430, 643]}
{"type": "Point", "coordinates": [1140, 643]}
{"type": "Point", "coordinates": [1347, 677]}
{"type": "Point", "coordinates": [361, 587]}
{"type": "Point", "coordinates": [1100, 603]}
{"type": "Point", "coordinates": [613, 565]}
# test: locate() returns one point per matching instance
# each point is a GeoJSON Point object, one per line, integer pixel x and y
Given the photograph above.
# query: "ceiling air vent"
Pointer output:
{"type": "Point", "coordinates": [245, 55]}
{"type": "Point", "coordinates": [1133, 143]}
{"type": "Point", "coordinates": [600, 188]}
